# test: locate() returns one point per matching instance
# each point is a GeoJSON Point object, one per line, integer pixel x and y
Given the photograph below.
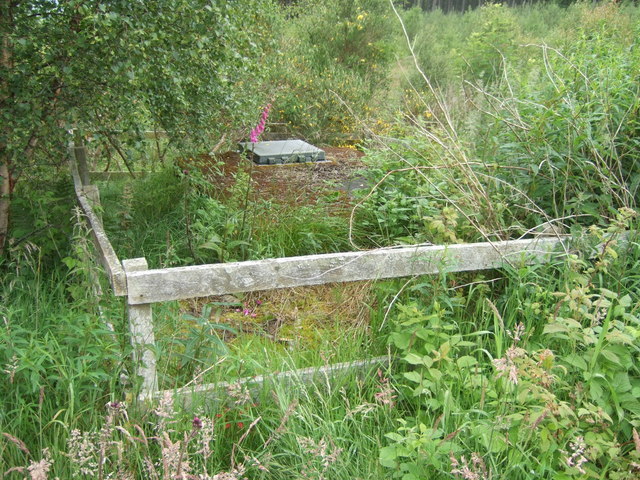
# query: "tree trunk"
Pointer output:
{"type": "Point", "coordinates": [5, 202]}
{"type": "Point", "coordinates": [6, 66]}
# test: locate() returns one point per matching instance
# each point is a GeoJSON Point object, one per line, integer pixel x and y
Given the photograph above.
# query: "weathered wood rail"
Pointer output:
{"type": "Point", "coordinates": [213, 393]}
{"type": "Point", "coordinates": [179, 283]}
{"type": "Point", "coordinates": [88, 197]}
{"type": "Point", "coordinates": [143, 287]}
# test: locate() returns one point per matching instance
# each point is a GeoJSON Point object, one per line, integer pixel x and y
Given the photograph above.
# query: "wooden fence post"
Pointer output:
{"type": "Point", "coordinates": [142, 337]}
{"type": "Point", "coordinates": [93, 194]}
{"type": "Point", "coordinates": [80, 152]}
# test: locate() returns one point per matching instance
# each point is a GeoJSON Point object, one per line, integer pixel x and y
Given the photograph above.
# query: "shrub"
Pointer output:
{"type": "Point", "coordinates": [336, 57]}
{"type": "Point", "coordinates": [490, 42]}
{"type": "Point", "coordinates": [572, 126]}
{"type": "Point", "coordinates": [551, 372]}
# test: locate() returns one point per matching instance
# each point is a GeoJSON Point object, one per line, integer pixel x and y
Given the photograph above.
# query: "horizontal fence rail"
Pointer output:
{"type": "Point", "coordinates": [181, 283]}
{"type": "Point", "coordinates": [87, 196]}
{"type": "Point", "coordinates": [254, 386]}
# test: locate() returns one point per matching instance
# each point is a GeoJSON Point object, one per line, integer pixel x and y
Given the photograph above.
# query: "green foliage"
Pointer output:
{"type": "Point", "coordinates": [174, 218]}
{"type": "Point", "coordinates": [555, 139]}
{"type": "Point", "coordinates": [148, 217]}
{"type": "Point", "coordinates": [450, 46]}
{"type": "Point", "coordinates": [201, 341]}
{"type": "Point", "coordinates": [436, 37]}
{"type": "Point", "coordinates": [335, 58]}
{"type": "Point", "coordinates": [419, 196]}
{"type": "Point", "coordinates": [551, 372]}
{"type": "Point", "coordinates": [59, 358]}
{"type": "Point", "coordinates": [572, 124]}
{"type": "Point", "coordinates": [277, 437]}
{"type": "Point", "coordinates": [348, 35]}
{"type": "Point", "coordinates": [265, 229]}
{"type": "Point", "coordinates": [41, 212]}
{"type": "Point", "coordinates": [528, 372]}
{"type": "Point", "coordinates": [155, 65]}
{"type": "Point", "coordinates": [490, 43]}
{"type": "Point", "coordinates": [157, 196]}
{"type": "Point", "coordinates": [178, 65]}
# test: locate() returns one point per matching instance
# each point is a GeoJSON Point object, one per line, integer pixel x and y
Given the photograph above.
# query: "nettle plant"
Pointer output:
{"type": "Point", "coordinates": [553, 395]}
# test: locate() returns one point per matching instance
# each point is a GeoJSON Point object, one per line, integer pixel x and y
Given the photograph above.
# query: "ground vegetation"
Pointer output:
{"type": "Point", "coordinates": [444, 127]}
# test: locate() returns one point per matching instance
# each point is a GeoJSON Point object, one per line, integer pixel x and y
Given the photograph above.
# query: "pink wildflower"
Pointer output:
{"type": "Point", "coordinates": [39, 470]}
{"type": "Point", "coordinates": [197, 423]}
{"type": "Point", "coordinates": [385, 394]}
{"type": "Point", "coordinates": [517, 332]}
{"type": "Point", "coordinates": [577, 458]}
{"type": "Point", "coordinates": [507, 366]}
{"type": "Point", "coordinates": [259, 128]}
{"type": "Point", "coordinates": [474, 470]}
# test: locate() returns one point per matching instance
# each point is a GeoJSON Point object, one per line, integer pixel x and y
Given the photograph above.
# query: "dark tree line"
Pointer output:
{"type": "Point", "coordinates": [455, 5]}
{"type": "Point", "coordinates": [464, 5]}
{"type": "Point", "coordinates": [461, 5]}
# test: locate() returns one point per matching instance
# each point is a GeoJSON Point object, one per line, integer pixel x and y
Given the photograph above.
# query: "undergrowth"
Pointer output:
{"type": "Point", "coordinates": [515, 123]}
{"type": "Point", "coordinates": [534, 376]}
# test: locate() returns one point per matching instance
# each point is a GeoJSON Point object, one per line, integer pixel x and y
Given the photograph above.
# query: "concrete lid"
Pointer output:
{"type": "Point", "coordinates": [282, 151]}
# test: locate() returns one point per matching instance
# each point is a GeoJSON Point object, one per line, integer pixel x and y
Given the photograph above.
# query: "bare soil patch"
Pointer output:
{"type": "Point", "coordinates": [296, 183]}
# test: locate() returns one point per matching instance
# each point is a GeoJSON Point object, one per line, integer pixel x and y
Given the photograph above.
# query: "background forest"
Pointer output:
{"type": "Point", "coordinates": [470, 122]}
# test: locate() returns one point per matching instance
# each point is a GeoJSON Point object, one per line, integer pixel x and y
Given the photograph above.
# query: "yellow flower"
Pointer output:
{"type": "Point", "coordinates": [360, 17]}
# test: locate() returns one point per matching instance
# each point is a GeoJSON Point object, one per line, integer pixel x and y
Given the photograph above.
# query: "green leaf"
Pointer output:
{"type": "Point", "coordinates": [609, 355]}
{"type": "Point", "coordinates": [70, 262]}
{"type": "Point", "coordinates": [621, 382]}
{"type": "Point", "coordinates": [401, 340]}
{"type": "Point", "coordinates": [608, 293]}
{"type": "Point", "coordinates": [618, 337]}
{"type": "Point", "coordinates": [466, 361]}
{"type": "Point", "coordinates": [577, 361]}
{"type": "Point", "coordinates": [435, 374]}
{"type": "Point", "coordinates": [595, 390]}
{"type": "Point", "coordinates": [413, 377]}
{"type": "Point", "coordinates": [625, 301]}
{"type": "Point", "coordinates": [223, 326]}
{"type": "Point", "coordinates": [411, 476]}
{"type": "Point", "coordinates": [555, 328]}
{"type": "Point", "coordinates": [562, 476]}
{"type": "Point", "coordinates": [396, 437]}
{"type": "Point", "coordinates": [631, 405]}
{"type": "Point", "coordinates": [413, 359]}
{"type": "Point", "coordinates": [388, 456]}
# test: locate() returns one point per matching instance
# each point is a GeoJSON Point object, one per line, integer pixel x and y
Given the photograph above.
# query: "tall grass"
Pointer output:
{"type": "Point", "coordinates": [60, 360]}
{"type": "Point", "coordinates": [513, 386]}
{"type": "Point", "coordinates": [527, 372]}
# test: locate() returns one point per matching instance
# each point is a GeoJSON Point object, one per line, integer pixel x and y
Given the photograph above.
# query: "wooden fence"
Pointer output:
{"type": "Point", "coordinates": [143, 286]}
